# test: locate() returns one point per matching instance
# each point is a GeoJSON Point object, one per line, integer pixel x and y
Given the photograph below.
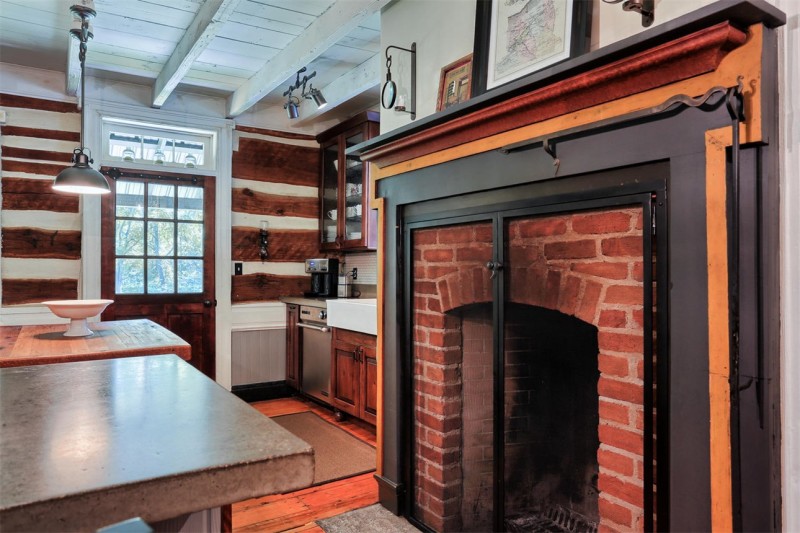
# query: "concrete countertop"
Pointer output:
{"type": "Point", "coordinates": [88, 444]}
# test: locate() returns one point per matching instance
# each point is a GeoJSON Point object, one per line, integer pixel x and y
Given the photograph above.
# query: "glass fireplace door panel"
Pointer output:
{"type": "Point", "coordinates": [453, 354]}
{"type": "Point", "coordinates": [573, 299]}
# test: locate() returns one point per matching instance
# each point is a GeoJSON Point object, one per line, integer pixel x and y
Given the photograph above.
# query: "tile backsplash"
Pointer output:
{"type": "Point", "coordinates": [367, 265]}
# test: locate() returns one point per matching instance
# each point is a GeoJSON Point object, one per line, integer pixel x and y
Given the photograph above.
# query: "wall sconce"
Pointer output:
{"type": "Point", "coordinates": [646, 8]}
{"type": "Point", "coordinates": [263, 240]}
{"type": "Point", "coordinates": [389, 91]}
{"type": "Point", "coordinates": [292, 105]}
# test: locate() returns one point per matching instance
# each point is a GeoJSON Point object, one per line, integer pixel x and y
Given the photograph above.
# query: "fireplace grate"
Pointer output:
{"type": "Point", "coordinates": [552, 519]}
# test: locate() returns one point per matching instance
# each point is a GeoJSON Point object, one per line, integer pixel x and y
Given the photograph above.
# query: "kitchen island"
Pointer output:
{"type": "Point", "coordinates": [92, 443]}
{"type": "Point", "coordinates": [38, 345]}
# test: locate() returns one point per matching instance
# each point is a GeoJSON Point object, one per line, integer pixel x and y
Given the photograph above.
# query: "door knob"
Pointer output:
{"type": "Point", "coordinates": [209, 303]}
{"type": "Point", "coordinates": [495, 267]}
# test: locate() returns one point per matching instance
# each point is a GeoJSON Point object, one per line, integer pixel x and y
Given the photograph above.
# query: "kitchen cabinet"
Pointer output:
{"type": "Point", "coordinates": [292, 346]}
{"type": "Point", "coordinates": [354, 374]}
{"type": "Point", "coordinates": [346, 220]}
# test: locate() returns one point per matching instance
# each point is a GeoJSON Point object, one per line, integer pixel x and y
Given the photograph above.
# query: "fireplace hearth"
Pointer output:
{"type": "Point", "coordinates": [589, 341]}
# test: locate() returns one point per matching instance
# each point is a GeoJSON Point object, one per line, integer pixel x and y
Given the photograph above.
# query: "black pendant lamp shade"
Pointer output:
{"type": "Point", "coordinates": [81, 178]}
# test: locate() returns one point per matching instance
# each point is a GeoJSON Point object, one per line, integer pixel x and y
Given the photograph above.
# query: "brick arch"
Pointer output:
{"type": "Point", "coordinates": [588, 265]}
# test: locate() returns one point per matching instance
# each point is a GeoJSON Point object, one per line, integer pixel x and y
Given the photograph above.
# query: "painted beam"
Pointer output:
{"type": "Point", "coordinates": [339, 20]}
{"type": "Point", "coordinates": [364, 77]}
{"type": "Point", "coordinates": [208, 21]}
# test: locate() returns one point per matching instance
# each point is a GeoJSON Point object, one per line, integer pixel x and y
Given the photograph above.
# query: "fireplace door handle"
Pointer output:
{"type": "Point", "coordinates": [495, 267]}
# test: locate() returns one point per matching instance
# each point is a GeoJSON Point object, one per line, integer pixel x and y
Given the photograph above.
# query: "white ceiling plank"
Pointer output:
{"type": "Point", "coordinates": [210, 18]}
{"type": "Point", "coordinates": [324, 32]}
{"type": "Point", "coordinates": [364, 77]}
{"type": "Point", "coordinates": [73, 66]}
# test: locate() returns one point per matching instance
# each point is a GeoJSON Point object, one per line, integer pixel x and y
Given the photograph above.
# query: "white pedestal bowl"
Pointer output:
{"type": "Point", "coordinates": [77, 311]}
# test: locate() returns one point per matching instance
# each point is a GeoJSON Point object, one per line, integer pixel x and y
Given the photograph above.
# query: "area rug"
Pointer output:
{"type": "Point", "coordinates": [337, 454]}
{"type": "Point", "coordinates": [373, 519]}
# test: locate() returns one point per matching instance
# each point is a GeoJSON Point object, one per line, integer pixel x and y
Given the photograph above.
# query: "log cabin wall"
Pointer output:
{"type": "Point", "coordinates": [275, 179]}
{"type": "Point", "coordinates": [41, 229]}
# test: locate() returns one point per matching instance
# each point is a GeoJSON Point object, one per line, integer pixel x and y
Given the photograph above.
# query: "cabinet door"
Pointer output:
{"type": "Point", "coordinates": [329, 195]}
{"type": "Point", "coordinates": [369, 385]}
{"type": "Point", "coordinates": [345, 376]}
{"type": "Point", "coordinates": [354, 193]}
{"type": "Point", "coordinates": [292, 346]}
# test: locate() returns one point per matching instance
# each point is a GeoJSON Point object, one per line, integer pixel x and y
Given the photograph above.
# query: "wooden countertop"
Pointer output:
{"type": "Point", "coordinates": [92, 443]}
{"type": "Point", "coordinates": [39, 345]}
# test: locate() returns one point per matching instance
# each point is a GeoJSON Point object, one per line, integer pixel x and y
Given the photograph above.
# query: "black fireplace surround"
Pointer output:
{"type": "Point", "coordinates": [663, 156]}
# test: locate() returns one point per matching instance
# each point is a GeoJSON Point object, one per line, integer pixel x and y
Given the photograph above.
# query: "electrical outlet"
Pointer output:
{"type": "Point", "coordinates": [355, 274]}
{"type": "Point", "coordinates": [237, 269]}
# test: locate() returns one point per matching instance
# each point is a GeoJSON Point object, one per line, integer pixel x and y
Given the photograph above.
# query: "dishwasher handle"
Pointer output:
{"type": "Point", "coordinates": [323, 329]}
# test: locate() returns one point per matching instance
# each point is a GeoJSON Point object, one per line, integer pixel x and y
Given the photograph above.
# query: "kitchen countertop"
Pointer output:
{"type": "Point", "coordinates": [306, 300]}
{"type": "Point", "coordinates": [37, 345]}
{"type": "Point", "coordinates": [92, 443]}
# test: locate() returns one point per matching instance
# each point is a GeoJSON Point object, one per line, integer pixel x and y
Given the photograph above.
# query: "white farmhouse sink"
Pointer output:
{"type": "Point", "coordinates": [354, 314]}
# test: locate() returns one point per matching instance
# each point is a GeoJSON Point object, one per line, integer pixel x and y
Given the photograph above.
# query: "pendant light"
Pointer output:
{"type": "Point", "coordinates": [81, 178]}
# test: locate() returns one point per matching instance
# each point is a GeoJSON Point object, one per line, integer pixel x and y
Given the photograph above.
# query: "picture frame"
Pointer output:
{"type": "Point", "coordinates": [517, 38]}
{"type": "Point", "coordinates": [455, 83]}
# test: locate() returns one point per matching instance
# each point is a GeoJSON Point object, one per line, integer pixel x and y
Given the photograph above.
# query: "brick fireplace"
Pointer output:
{"type": "Point", "coordinates": [571, 276]}
{"type": "Point", "coordinates": [523, 298]}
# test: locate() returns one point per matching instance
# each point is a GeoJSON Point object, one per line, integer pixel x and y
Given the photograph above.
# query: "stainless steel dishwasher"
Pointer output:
{"type": "Point", "coordinates": [316, 356]}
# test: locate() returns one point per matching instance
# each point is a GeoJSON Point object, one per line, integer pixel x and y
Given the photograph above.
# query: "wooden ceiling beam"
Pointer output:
{"type": "Point", "coordinates": [205, 26]}
{"type": "Point", "coordinates": [324, 32]}
{"type": "Point", "coordinates": [364, 77]}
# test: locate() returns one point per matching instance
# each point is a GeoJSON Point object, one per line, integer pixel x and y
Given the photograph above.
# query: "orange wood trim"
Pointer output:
{"type": "Point", "coordinates": [41, 243]}
{"type": "Point", "coordinates": [284, 245]}
{"type": "Point", "coordinates": [718, 332]}
{"type": "Point", "coordinates": [744, 61]}
{"type": "Point", "coordinates": [259, 203]}
{"type": "Point", "coordinates": [20, 131]}
{"type": "Point", "coordinates": [275, 133]}
{"type": "Point", "coordinates": [681, 59]}
{"type": "Point", "coordinates": [27, 102]}
{"type": "Point", "coordinates": [380, 205]}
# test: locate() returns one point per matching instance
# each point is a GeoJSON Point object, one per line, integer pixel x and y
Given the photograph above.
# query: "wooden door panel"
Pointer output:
{"type": "Point", "coordinates": [345, 374]}
{"type": "Point", "coordinates": [293, 339]}
{"type": "Point", "coordinates": [369, 382]}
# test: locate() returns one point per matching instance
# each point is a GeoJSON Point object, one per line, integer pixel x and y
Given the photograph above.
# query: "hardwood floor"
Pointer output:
{"type": "Point", "coordinates": [297, 511]}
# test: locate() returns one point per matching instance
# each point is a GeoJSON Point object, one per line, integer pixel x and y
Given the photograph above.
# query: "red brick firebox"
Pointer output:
{"type": "Point", "coordinates": [585, 264]}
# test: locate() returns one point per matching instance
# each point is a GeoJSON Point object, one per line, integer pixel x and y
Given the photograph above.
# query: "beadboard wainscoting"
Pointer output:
{"type": "Point", "coordinates": [258, 343]}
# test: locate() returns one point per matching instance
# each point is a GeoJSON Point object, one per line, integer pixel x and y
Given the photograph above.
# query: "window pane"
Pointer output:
{"type": "Point", "coordinates": [130, 199]}
{"type": "Point", "coordinates": [160, 276]}
{"type": "Point", "coordinates": [190, 203]}
{"type": "Point", "coordinates": [161, 239]}
{"type": "Point", "coordinates": [160, 201]}
{"type": "Point", "coordinates": [130, 276]}
{"type": "Point", "coordinates": [130, 237]}
{"type": "Point", "coordinates": [190, 240]}
{"type": "Point", "coordinates": [190, 275]}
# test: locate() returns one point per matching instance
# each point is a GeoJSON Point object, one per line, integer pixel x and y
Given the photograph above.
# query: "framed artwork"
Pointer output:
{"type": "Point", "coordinates": [515, 38]}
{"type": "Point", "coordinates": [455, 83]}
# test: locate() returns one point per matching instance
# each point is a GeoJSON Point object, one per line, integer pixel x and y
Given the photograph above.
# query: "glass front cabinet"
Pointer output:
{"type": "Point", "coordinates": [346, 220]}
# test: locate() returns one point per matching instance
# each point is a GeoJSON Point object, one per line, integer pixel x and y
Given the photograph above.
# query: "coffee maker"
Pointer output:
{"type": "Point", "coordinates": [324, 275]}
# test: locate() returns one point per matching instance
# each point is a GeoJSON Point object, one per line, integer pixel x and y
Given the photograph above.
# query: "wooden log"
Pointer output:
{"type": "Point", "coordinates": [41, 243]}
{"type": "Point", "coordinates": [259, 203]}
{"type": "Point", "coordinates": [40, 155]}
{"type": "Point", "coordinates": [284, 245]}
{"type": "Point", "coordinates": [276, 133]}
{"type": "Point", "coordinates": [27, 102]}
{"type": "Point", "coordinates": [24, 194]}
{"type": "Point", "coordinates": [28, 291]}
{"type": "Point", "coordinates": [260, 287]}
{"type": "Point", "coordinates": [44, 169]}
{"type": "Point", "coordinates": [275, 162]}
{"type": "Point", "coordinates": [39, 133]}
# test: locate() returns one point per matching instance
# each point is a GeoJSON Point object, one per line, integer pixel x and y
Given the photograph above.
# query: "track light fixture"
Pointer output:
{"type": "Point", "coordinates": [292, 105]}
{"type": "Point", "coordinates": [81, 178]}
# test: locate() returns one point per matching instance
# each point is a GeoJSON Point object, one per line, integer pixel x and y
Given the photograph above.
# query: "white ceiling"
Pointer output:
{"type": "Point", "coordinates": [245, 50]}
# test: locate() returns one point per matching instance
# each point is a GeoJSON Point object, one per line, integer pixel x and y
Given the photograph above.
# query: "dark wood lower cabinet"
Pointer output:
{"type": "Point", "coordinates": [292, 346]}
{"type": "Point", "coordinates": [354, 374]}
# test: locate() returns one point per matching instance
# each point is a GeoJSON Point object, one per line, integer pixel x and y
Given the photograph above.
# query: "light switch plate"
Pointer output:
{"type": "Point", "coordinates": [237, 269]}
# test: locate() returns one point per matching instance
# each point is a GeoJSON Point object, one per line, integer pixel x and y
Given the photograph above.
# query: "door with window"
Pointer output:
{"type": "Point", "coordinates": [158, 256]}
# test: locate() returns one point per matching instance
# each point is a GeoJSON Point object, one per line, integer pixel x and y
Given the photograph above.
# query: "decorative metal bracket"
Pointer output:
{"type": "Point", "coordinates": [389, 91]}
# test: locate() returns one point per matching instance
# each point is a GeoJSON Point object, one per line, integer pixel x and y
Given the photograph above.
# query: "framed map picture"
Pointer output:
{"type": "Point", "coordinates": [515, 38]}
{"type": "Point", "coordinates": [455, 83]}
